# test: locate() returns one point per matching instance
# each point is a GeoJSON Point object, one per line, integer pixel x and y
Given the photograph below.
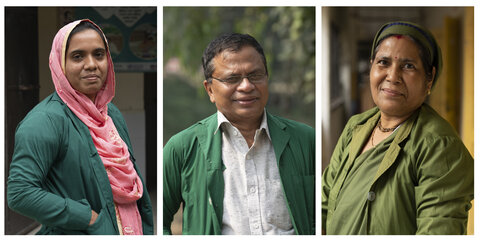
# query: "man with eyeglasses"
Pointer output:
{"type": "Point", "coordinates": [241, 170]}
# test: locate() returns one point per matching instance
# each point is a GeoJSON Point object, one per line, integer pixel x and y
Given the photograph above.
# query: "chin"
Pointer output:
{"type": "Point", "coordinates": [251, 113]}
{"type": "Point", "coordinates": [395, 111]}
{"type": "Point", "coordinates": [91, 92]}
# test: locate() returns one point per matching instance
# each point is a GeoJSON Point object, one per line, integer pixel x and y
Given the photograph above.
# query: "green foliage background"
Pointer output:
{"type": "Point", "coordinates": [287, 35]}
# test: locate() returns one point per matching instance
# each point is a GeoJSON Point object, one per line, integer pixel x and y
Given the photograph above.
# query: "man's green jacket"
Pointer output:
{"type": "Point", "coordinates": [193, 175]}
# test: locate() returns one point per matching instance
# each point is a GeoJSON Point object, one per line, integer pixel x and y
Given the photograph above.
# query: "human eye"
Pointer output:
{"type": "Point", "coordinates": [255, 77]}
{"type": "Point", "coordinates": [382, 62]}
{"type": "Point", "coordinates": [233, 79]}
{"type": "Point", "coordinates": [99, 54]}
{"type": "Point", "coordinates": [409, 66]}
{"type": "Point", "coordinates": [76, 56]}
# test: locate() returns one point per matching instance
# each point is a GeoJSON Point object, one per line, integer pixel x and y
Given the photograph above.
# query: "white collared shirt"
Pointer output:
{"type": "Point", "coordinates": [253, 202]}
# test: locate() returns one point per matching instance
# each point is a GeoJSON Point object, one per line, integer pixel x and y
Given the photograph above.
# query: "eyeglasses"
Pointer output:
{"type": "Point", "coordinates": [236, 79]}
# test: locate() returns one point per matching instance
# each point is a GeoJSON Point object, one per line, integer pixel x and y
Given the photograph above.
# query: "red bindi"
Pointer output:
{"type": "Point", "coordinates": [398, 36]}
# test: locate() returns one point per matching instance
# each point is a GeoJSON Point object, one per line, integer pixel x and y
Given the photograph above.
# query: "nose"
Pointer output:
{"type": "Point", "coordinates": [245, 85]}
{"type": "Point", "coordinates": [394, 74]}
{"type": "Point", "coordinates": [90, 63]}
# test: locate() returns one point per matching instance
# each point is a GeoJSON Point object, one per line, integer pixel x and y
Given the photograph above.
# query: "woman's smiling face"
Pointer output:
{"type": "Point", "coordinates": [86, 63]}
{"type": "Point", "coordinates": [397, 77]}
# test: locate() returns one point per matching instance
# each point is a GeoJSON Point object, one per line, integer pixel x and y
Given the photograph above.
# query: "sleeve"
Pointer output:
{"type": "Point", "coordinates": [172, 183]}
{"type": "Point", "coordinates": [330, 173]}
{"type": "Point", "coordinates": [445, 186]}
{"type": "Point", "coordinates": [37, 146]}
{"type": "Point", "coordinates": [313, 148]}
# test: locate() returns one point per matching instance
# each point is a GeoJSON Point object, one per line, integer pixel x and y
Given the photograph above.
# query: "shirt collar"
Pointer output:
{"type": "Point", "coordinates": [222, 119]}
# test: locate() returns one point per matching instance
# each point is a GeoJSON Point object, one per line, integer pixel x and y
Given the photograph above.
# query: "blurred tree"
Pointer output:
{"type": "Point", "coordinates": [287, 35]}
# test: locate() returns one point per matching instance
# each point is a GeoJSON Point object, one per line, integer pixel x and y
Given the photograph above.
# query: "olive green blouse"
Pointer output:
{"type": "Point", "coordinates": [417, 181]}
{"type": "Point", "coordinates": [349, 217]}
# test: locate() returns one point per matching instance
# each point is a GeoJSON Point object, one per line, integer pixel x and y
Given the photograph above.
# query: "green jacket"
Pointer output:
{"type": "Point", "coordinates": [423, 185]}
{"type": "Point", "coordinates": [193, 175]}
{"type": "Point", "coordinates": [57, 177]}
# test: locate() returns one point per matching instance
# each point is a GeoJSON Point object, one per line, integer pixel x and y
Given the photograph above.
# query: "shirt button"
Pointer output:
{"type": "Point", "coordinates": [235, 133]}
{"type": "Point", "coordinates": [371, 196]}
{"type": "Point", "coordinates": [256, 226]}
{"type": "Point", "coordinates": [253, 189]}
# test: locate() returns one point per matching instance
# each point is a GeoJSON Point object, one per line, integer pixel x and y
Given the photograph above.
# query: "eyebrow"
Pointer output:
{"type": "Point", "coordinates": [254, 71]}
{"type": "Point", "coordinates": [82, 51]}
{"type": "Point", "coordinates": [403, 60]}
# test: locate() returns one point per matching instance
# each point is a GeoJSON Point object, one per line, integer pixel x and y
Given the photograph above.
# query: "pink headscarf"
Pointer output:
{"type": "Point", "coordinates": [126, 185]}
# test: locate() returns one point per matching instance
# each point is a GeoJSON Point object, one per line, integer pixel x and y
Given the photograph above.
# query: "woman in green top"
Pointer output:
{"type": "Point", "coordinates": [73, 167]}
{"type": "Point", "coordinates": [399, 168]}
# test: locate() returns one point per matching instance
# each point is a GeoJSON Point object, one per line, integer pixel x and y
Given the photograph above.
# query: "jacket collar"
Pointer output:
{"type": "Point", "coordinates": [210, 147]}
{"type": "Point", "coordinates": [392, 152]}
{"type": "Point", "coordinates": [210, 142]}
{"type": "Point", "coordinates": [221, 119]}
{"type": "Point", "coordinates": [84, 131]}
{"type": "Point", "coordinates": [278, 134]}
{"type": "Point", "coordinates": [364, 129]}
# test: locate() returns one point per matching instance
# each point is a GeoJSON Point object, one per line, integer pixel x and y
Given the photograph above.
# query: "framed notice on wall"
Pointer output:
{"type": "Point", "coordinates": [131, 34]}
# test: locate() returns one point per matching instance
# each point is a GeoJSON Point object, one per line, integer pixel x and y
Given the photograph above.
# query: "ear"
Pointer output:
{"type": "Point", "coordinates": [208, 87]}
{"type": "Point", "coordinates": [430, 82]}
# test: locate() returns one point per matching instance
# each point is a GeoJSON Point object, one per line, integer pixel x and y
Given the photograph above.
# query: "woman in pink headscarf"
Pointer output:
{"type": "Point", "coordinates": [73, 168]}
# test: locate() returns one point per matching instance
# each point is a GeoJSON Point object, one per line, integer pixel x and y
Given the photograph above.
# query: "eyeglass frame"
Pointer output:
{"type": "Point", "coordinates": [241, 77]}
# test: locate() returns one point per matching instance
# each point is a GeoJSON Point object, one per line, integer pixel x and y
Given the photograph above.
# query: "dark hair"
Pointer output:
{"type": "Point", "coordinates": [84, 25]}
{"type": "Point", "coordinates": [423, 52]}
{"type": "Point", "coordinates": [232, 42]}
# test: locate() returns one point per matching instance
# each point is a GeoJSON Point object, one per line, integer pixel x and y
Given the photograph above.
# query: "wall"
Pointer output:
{"type": "Point", "coordinates": [129, 99]}
{"type": "Point", "coordinates": [47, 28]}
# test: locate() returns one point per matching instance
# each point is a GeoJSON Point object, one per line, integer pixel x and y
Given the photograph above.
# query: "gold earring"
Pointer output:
{"type": "Point", "coordinates": [428, 92]}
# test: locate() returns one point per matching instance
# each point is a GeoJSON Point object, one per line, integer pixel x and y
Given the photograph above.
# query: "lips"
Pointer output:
{"type": "Point", "coordinates": [91, 77]}
{"type": "Point", "coordinates": [391, 92]}
{"type": "Point", "coordinates": [248, 100]}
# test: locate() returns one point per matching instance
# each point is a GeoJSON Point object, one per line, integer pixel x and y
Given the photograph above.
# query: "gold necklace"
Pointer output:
{"type": "Point", "coordinates": [383, 129]}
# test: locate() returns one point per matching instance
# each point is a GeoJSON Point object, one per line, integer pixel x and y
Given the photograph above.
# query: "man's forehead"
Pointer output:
{"type": "Point", "coordinates": [224, 53]}
{"type": "Point", "coordinates": [228, 51]}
